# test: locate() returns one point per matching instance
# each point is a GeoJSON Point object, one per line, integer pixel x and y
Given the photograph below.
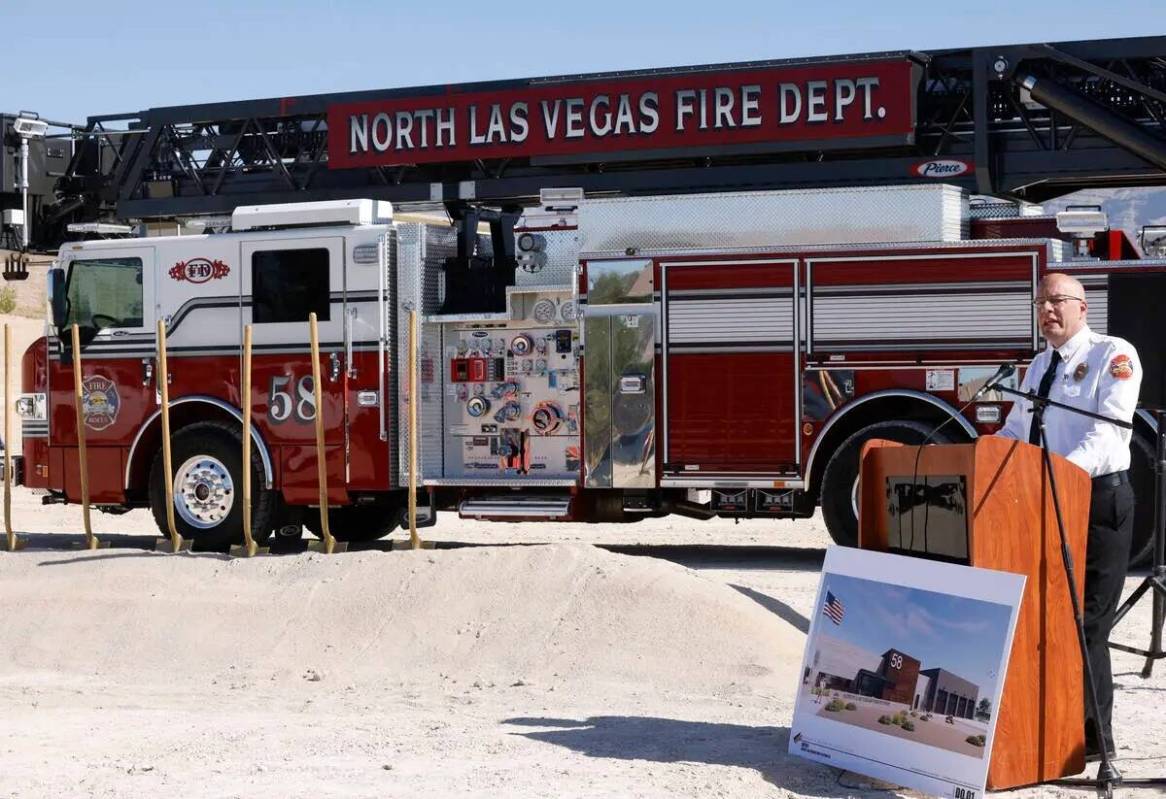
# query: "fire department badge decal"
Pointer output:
{"type": "Point", "coordinates": [199, 270]}
{"type": "Point", "coordinates": [99, 402]}
{"type": "Point", "coordinates": [1121, 367]}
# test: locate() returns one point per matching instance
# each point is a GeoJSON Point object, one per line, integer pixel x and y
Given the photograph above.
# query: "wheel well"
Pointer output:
{"type": "Point", "coordinates": [149, 441]}
{"type": "Point", "coordinates": [883, 409]}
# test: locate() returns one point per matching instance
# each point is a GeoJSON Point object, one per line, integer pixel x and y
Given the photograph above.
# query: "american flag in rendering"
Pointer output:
{"type": "Point", "coordinates": [833, 608]}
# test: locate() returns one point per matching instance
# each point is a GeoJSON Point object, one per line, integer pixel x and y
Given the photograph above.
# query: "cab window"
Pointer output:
{"type": "Point", "coordinates": [104, 293]}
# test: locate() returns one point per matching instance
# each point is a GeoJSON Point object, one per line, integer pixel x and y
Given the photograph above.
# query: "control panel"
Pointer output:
{"type": "Point", "coordinates": [512, 394]}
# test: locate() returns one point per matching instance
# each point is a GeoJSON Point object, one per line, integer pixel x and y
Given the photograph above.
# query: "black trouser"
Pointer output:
{"type": "Point", "coordinates": [1111, 524]}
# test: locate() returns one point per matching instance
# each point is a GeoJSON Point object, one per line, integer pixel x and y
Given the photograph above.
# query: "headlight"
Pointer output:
{"type": "Point", "coordinates": [32, 406]}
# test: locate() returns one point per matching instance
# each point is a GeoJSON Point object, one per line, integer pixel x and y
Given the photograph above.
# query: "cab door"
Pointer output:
{"type": "Point", "coordinates": [283, 281]}
{"type": "Point", "coordinates": [110, 297]}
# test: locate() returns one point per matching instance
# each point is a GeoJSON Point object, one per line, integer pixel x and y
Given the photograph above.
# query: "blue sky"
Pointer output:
{"type": "Point", "coordinates": [963, 636]}
{"type": "Point", "coordinates": [70, 59]}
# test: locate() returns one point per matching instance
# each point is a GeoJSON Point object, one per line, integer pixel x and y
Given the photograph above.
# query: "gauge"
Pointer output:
{"type": "Point", "coordinates": [567, 311]}
{"type": "Point", "coordinates": [463, 393]}
{"type": "Point", "coordinates": [479, 389]}
{"type": "Point", "coordinates": [540, 366]}
{"type": "Point", "coordinates": [546, 418]}
{"type": "Point", "coordinates": [521, 344]}
{"type": "Point", "coordinates": [485, 345]}
{"type": "Point", "coordinates": [527, 365]}
{"type": "Point", "coordinates": [478, 406]}
{"type": "Point", "coordinates": [462, 347]}
{"type": "Point", "coordinates": [544, 311]}
{"type": "Point", "coordinates": [508, 412]}
{"type": "Point", "coordinates": [541, 345]}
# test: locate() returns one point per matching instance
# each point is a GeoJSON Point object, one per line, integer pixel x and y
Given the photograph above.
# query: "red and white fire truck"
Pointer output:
{"type": "Point", "coordinates": [716, 354]}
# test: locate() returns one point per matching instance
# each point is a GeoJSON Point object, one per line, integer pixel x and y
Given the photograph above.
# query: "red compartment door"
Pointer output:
{"type": "Point", "coordinates": [731, 361]}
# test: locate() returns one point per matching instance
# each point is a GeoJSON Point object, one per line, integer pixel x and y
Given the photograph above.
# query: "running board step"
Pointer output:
{"type": "Point", "coordinates": [542, 507]}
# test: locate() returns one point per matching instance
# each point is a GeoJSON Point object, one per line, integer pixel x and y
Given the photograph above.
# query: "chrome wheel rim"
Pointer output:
{"type": "Point", "coordinates": [203, 492]}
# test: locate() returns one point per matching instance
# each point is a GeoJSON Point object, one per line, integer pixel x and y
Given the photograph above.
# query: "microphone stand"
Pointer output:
{"type": "Point", "coordinates": [1107, 776]}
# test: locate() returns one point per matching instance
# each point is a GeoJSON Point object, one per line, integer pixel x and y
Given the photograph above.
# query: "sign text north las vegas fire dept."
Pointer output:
{"type": "Point", "coordinates": [727, 111]}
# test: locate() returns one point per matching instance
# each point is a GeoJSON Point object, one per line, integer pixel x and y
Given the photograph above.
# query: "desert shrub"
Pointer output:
{"type": "Point", "coordinates": [925, 717]}
{"type": "Point", "coordinates": [909, 726]}
{"type": "Point", "coordinates": [949, 720]}
{"type": "Point", "coordinates": [897, 720]}
{"type": "Point", "coordinates": [7, 299]}
{"type": "Point", "coordinates": [914, 715]}
{"type": "Point", "coordinates": [835, 705]}
{"type": "Point", "coordinates": [975, 740]}
{"type": "Point", "coordinates": [884, 719]}
{"type": "Point", "coordinates": [851, 706]}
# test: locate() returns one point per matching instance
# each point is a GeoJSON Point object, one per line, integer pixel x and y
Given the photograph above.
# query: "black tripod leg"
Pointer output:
{"type": "Point", "coordinates": [1130, 602]}
{"type": "Point", "coordinates": [1156, 632]}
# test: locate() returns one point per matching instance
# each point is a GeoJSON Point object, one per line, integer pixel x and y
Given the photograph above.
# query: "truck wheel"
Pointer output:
{"type": "Point", "coordinates": [1142, 478]}
{"type": "Point", "coordinates": [839, 497]}
{"type": "Point", "coordinates": [208, 487]}
{"type": "Point", "coordinates": [354, 523]}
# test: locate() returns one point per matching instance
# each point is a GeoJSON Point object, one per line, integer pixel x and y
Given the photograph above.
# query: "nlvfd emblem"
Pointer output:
{"type": "Point", "coordinates": [99, 402]}
{"type": "Point", "coordinates": [199, 270]}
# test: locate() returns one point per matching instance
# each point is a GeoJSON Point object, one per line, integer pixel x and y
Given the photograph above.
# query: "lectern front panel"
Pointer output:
{"type": "Point", "coordinates": [927, 516]}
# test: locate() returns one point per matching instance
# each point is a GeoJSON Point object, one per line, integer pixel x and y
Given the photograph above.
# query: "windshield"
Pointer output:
{"type": "Point", "coordinates": [105, 292]}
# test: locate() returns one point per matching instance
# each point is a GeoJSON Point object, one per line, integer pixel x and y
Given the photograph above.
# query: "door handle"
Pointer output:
{"type": "Point", "coordinates": [147, 371]}
{"type": "Point", "coordinates": [333, 367]}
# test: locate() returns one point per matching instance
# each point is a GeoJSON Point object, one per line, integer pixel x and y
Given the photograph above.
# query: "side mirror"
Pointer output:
{"type": "Point", "coordinates": [57, 298]}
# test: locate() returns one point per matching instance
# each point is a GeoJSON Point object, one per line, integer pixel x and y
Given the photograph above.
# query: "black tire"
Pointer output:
{"type": "Point", "coordinates": [841, 473]}
{"type": "Point", "coordinates": [218, 445]}
{"type": "Point", "coordinates": [1142, 479]}
{"type": "Point", "coordinates": [355, 523]}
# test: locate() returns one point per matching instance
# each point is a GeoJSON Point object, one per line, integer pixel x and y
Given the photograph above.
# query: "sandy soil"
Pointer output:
{"type": "Point", "coordinates": [557, 670]}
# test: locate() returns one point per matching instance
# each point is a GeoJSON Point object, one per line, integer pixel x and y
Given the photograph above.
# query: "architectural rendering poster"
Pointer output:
{"type": "Point", "coordinates": [904, 668]}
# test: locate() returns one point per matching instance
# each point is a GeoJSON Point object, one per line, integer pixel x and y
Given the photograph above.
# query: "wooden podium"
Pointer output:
{"type": "Point", "coordinates": [989, 504]}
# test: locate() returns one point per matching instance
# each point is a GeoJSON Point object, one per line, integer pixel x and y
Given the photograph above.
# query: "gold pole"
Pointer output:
{"type": "Point", "coordinates": [91, 541]}
{"type": "Point", "coordinates": [11, 536]}
{"type": "Point", "coordinates": [321, 465]}
{"type": "Point", "coordinates": [245, 402]}
{"type": "Point", "coordinates": [167, 465]}
{"type": "Point", "coordinates": [414, 539]}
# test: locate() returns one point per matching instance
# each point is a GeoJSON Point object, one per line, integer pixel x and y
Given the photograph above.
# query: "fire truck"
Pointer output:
{"type": "Point", "coordinates": [720, 354]}
{"type": "Point", "coordinates": [636, 294]}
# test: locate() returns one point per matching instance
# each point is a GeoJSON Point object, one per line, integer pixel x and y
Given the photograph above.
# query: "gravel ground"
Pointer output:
{"type": "Point", "coordinates": [556, 670]}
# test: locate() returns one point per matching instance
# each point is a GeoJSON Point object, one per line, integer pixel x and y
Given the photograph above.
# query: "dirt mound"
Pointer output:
{"type": "Point", "coordinates": [491, 614]}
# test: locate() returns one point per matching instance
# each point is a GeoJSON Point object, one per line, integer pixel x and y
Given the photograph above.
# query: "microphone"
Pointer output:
{"type": "Point", "coordinates": [1006, 370]}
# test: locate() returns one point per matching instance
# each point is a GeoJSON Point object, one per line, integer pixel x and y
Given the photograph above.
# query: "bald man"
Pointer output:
{"type": "Point", "coordinates": [1101, 374]}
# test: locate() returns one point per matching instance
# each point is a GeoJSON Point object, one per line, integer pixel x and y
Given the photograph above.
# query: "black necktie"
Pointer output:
{"type": "Point", "coordinates": [1046, 383]}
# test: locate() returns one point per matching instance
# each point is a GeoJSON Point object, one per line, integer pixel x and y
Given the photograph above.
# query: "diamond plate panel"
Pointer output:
{"type": "Point", "coordinates": [422, 250]}
{"type": "Point", "coordinates": [783, 218]}
{"type": "Point", "coordinates": [562, 253]}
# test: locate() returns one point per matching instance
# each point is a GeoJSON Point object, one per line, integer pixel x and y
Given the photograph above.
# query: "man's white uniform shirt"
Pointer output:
{"type": "Point", "coordinates": [1097, 373]}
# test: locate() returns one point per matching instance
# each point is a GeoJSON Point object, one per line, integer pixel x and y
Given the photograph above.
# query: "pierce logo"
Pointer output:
{"type": "Point", "coordinates": [199, 270]}
{"type": "Point", "coordinates": [943, 168]}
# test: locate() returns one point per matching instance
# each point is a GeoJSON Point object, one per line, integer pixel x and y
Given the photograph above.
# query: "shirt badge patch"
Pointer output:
{"type": "Point", "coordinates": [1080, 372]}
{"type": "Point", "coordinates": [1121, 367]}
